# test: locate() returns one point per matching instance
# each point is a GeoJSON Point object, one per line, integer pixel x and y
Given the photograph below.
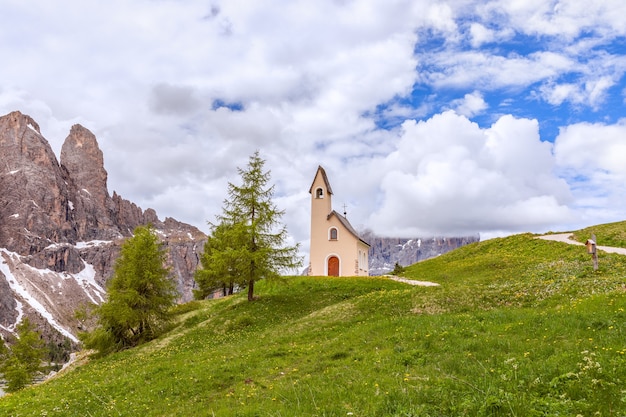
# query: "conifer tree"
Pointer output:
{"type": "Point", "coordinates": [247, 243]}
{"type": "Point", "coordinates": [140, 295]}
{"type": "Point", "coordinates": [4, 355]}
{"type": "Point", "coordinates": [222, 261]}
{"type": "Point", "coordinates": [3, 351]}
{"type": "Point", "coordinates": [24, 360]}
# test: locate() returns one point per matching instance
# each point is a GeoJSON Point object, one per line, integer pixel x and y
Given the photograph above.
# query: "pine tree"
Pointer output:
{"type": "Point", "coordinates": [24, 360]}
{"type": "Point", "coordinates": [3, 351]}
{"type": "Point", "coordinates": [248, 242]}
{"type": "Point", "coordinates": [140, 295]}
{"type": "Point", "coordinates": [4, 354]}
{"type": "Point", "coordinates": [222, 260]}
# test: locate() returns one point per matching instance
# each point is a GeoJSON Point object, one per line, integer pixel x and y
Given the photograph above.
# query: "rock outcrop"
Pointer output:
{"type": "Point", "coordinates": [34, 191]}
{"type": "Point", "coordinates": [385, 252]}
{"type": "Point", "coordinates": [60, 230]}
{"type": "Point", "coordinates": [90, 206]}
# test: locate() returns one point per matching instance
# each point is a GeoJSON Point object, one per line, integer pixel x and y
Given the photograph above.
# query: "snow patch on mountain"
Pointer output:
{"type": "Point", "coordinates": [91, 243]}
{"type": "Point", "coordinates": [20, 290]}
{"type": "Point", "coordinates": [87, 280]}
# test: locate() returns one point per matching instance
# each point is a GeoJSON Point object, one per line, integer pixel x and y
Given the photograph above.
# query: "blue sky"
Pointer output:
{"type": "Point", "coordinates": [430, 117]}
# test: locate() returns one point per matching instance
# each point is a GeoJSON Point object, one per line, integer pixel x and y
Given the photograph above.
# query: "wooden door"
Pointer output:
{"type": "Point", "coordinates": [333, 266]}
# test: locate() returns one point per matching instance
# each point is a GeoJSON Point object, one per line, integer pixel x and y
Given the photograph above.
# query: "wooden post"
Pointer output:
{"type": "Point", "coordinates": [595, 253]}
{"type": "Point", "coordinates": [591, 249]}
{"type": "Point", "coordinates": [595, 260]}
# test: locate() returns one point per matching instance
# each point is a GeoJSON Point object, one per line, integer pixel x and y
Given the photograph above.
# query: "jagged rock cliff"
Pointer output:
{"type": "Point", "coordinates": [60, 230]}
{"type": "Point", "coordinates": [386, 251]}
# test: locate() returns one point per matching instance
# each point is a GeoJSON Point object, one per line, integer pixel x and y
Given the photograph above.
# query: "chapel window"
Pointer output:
{"type": "Point", "coordinates": [333, 234]}
{"type": "Point", "coordinates": [319, 193]}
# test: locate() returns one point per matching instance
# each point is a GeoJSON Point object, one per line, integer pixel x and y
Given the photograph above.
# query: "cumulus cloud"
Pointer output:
{"type": "Point", "coordinates": [592, 157]}
{"type": "Point", "coordinates": [470, 105]}
{"type": "Point", "coordinates": [179, 95]}
{"type": "Point", "coordinates": [441, 17]}
{"type": "Point", "coordinates": [479, 34]}
{"type": "Point", "coordinates": [592, 147]}
{"type": "Point", "coordinates": [449, 176]}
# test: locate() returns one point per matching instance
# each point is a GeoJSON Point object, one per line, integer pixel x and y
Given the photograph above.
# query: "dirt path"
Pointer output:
{"type": "Point", "coordinates": [413, 282]}
{"type": "Point", "coordinates": [567, 238]}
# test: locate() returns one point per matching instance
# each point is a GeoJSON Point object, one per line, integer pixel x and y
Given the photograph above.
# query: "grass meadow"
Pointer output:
{"type": "Point", "coordinates": [518, 327]}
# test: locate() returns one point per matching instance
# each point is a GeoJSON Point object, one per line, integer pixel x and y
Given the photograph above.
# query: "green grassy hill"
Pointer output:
{"type": "Point", "coordinates": [519, 326]}
{"type": "Point", "coordinates": [608, 234]}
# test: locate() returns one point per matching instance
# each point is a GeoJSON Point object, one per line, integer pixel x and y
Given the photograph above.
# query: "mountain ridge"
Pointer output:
{"type": "Point", "coordinates": [61, 230]}
{"type": "Point", "coordinates": [386, 252]}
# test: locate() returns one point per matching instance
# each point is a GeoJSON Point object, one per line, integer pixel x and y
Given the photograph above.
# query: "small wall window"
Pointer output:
{"type": "Point", "coordinates": [319, 193]}
{"type": "Point", "coordinates": [332, 235]}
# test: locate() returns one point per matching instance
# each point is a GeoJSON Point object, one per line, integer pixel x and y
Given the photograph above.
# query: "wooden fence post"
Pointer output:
{"type": "Point", "coordinates": [591, 249]}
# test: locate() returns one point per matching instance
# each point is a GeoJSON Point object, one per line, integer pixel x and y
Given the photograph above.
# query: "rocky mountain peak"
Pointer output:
{"type": "Point", "coordinates": [19, 122]}
{"type": "Point", "coordinates": [89, 200]}
{"type": "Point", "coordinates": [21, 142]}
{"type": "Point", "coordinates": [61, 231]}
{"type": "Point", "coordinates": [32, 187]}
{"type": "Point", "coordinates": [82, 158]}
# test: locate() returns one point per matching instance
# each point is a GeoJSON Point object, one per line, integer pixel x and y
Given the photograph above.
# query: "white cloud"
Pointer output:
{"type": "Point", "coordinates": [565, 19]}
{"type": "Point", "coordinates": [470, 105]}
{"type": "Point", "coordinates": [565, 56]}
{"type": "Point", "coordinates": [480, 35]}
{"type": "Point", "coordinates": [144, 77]}
{"type": "Point", "coordinates": [593, 147]}
{"type": "Point", "coordinates": [596, 89]}
{"type": "Point", "coordinates": [480, 68]}
{"type": "Point", "coordinates": [450, 176]}
{"type": "Point", "coordinates": [592, 157]}
{"type": "Point", "coordinates": [556, 94]}
{"type": "Point", "coordinates": [441, 17]}
{"type": "Point", "coordinates": [590, 91]}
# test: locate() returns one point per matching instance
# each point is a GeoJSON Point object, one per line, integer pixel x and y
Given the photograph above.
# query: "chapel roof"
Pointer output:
{"type": "Point", "coordinates": [344, 221]}
{"type": "Point", "coordinates": [324, 177]}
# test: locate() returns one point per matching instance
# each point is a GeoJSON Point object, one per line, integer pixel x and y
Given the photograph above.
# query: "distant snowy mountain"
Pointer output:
{"type": "Point", "coordinates": [386, 251]}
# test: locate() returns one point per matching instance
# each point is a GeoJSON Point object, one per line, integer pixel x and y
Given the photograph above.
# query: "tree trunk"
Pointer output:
{"type": "Point", "coordinates": [251, 290]}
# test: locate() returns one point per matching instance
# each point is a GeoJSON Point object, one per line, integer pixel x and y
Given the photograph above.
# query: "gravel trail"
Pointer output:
{"type": "Point", "coordinates": [567, 238]}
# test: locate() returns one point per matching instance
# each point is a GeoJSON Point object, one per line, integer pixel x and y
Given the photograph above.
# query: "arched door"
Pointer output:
{"type": "Point", "coordinates": [333, 266]}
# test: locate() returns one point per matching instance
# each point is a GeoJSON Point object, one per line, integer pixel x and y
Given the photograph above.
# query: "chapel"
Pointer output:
{"type": "Point", "coordinates": [336, 248]}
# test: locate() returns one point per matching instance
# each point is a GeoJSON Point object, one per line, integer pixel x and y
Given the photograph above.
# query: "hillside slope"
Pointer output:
{"type": "Point", "coordinates": [518, 326]}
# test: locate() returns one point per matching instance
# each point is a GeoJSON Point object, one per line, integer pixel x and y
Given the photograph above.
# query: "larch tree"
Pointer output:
{"type": "Point", "coordinates": [3, 350]}
{"type": "Point", "coordinates": [247, 243]}
{"type": "Point", "coordinates": [140, 296]}
{"type": "Point", "coordinates": [24, 359]}
{"type": "Point", "coordinates": [222, 260]}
